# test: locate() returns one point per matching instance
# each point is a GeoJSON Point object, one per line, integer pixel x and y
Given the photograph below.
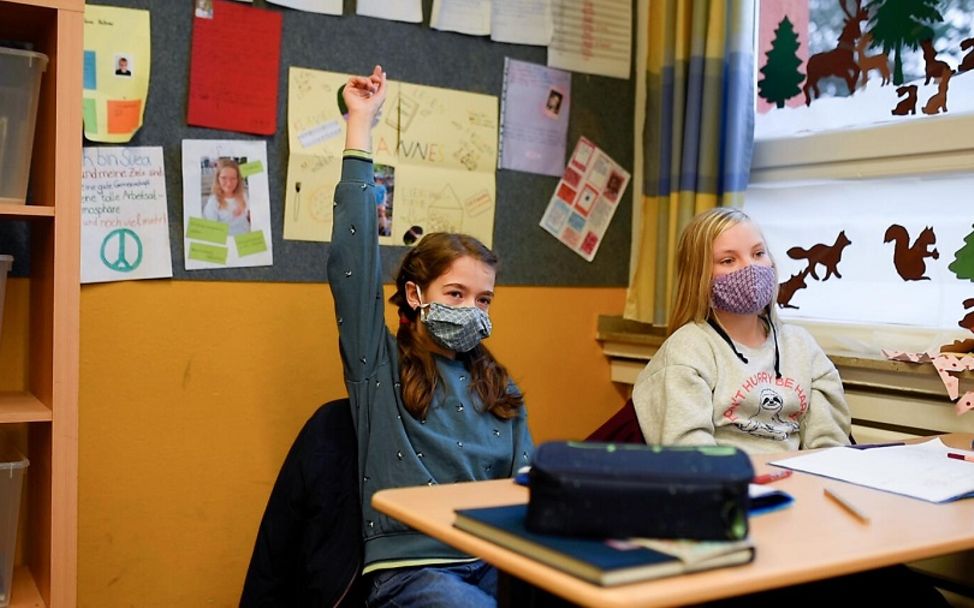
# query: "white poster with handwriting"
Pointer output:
{"type": "Point", "coordinates": [124, 219]}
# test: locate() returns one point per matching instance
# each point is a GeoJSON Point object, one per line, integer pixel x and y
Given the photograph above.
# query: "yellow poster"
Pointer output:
{"type": "Point", "coordinates": [443, 200]}
{"type": "Point", "coordinates": [117, 56]}
{"type": "Point", "coordinates": [435, 153]}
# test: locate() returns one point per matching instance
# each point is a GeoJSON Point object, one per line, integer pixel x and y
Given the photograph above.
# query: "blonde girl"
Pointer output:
{"type": "Point", "coordinates": [730, 372]}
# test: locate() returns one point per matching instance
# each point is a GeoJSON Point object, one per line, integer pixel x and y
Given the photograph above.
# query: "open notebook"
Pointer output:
{"type": "Point", "coordinates": [920, 470]}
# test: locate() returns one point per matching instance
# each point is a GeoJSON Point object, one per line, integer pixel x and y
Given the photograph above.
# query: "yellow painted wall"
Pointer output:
{"type": "Point", "coordinates": [191, 393]}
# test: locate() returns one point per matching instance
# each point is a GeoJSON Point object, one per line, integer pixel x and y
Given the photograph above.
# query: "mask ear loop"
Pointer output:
{"type": "Point", "coordinates": [422, 308]}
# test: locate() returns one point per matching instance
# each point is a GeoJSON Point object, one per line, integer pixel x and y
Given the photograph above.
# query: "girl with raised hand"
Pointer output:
{"type": "Point", "coordinates": [431, 404]}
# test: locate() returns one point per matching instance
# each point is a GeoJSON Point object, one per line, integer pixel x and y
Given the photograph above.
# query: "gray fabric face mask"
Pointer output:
{"type": "Point", "coordinates": [456, 328]}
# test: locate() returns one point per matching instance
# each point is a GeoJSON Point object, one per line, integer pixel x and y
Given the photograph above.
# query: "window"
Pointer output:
{"type": "Point", "coordinates": [848, 163]}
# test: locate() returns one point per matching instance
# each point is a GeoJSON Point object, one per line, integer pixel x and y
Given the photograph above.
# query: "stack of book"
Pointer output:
{"type": "Point", "coordinates": [602, 562]}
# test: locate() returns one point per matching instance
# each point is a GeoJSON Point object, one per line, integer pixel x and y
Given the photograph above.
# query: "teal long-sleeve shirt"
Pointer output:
{"type": "Point", "coordinates": [456, 441]}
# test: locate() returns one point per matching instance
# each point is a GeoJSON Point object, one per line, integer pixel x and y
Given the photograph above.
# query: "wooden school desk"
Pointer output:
{"type": "Point", "coordinates": [812, 539]}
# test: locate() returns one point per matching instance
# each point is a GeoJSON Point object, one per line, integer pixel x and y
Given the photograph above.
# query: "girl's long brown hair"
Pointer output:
{"type": "Point", "coordinates": [432, 257]}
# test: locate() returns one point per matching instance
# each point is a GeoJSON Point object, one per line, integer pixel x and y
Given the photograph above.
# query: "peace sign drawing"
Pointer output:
{"type": "Point", "coordinates": [121, 250]}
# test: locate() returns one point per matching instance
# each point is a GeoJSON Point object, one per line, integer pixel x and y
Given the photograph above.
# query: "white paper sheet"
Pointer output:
{"type": "Point", "coordinates": [920, 470]}
{"type": "Point", "coordinates": [521, 21]}
{"type": "Point", "coordinates": [229, 239]}
{"type": "Point", "coordinates": [124, 215]}
{"type": "Point", "coordinates": [464, 16]}
{"type": "Point", "coordinates": [410, 11]}
{"type": "Point", "coordinates": [325, 7]}
{"type": "Point", "coordinates": [534, 117]}
{"type": "Point", "coordinates": [592, 37]}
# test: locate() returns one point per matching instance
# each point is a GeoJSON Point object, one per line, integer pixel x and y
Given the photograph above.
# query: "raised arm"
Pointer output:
{"type": "Point", "coordinates": [354, 268]}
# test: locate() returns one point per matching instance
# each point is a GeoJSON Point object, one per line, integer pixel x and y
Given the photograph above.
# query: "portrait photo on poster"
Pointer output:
{"type": "Point", "coordinates": [553, 104]}
{"type": "Point", "coordinates": [224, 191]}
{"type": "Point", "coordinates": [226, 205]}
{"type": "Point", "coordinates": [123, 66]}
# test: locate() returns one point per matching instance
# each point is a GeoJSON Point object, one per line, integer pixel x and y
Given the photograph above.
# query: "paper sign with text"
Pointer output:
{"type": "Point", "coordinates": [124, 219]}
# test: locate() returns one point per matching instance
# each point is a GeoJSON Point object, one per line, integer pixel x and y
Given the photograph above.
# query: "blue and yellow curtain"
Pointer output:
{"type": "Point", "coordinates": [698, 134]}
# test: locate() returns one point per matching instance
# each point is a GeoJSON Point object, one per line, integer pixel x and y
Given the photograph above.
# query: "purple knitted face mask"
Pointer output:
{"type": "Point", "coordinates": [745, 292]}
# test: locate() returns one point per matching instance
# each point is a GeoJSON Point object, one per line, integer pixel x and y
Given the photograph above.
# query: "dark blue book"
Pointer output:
{"type": "Point", "coordinates": [603, 562]}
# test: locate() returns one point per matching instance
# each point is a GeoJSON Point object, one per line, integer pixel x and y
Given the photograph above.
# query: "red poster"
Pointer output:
{"type": "Point", "coordinates": [233, 77]}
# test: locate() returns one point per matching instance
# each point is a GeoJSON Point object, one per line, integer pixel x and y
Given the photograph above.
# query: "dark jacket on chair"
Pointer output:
{"type": "Point", "coordinates": [309, 544]}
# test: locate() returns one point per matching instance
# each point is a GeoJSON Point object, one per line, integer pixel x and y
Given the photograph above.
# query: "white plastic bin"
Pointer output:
{"type": "Point", "coordinates": [6, 262]}
{"type": "Point", "coordinates": [20, 86]}
{"type": "Point", "coordinates": [12, 466]}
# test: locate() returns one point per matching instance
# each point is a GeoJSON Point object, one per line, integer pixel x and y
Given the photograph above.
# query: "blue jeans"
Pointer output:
{"type": "Point", "coordinates": [471, 585]}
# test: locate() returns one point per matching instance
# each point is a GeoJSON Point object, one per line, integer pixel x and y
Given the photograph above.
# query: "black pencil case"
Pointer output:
{"type": "Point", "coordinates": [621, 490]}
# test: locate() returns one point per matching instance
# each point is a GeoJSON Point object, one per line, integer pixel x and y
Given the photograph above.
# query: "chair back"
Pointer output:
{"type": "Point", "coordinates": [308, 550]}
{"type": "Point", "coordinates": [621, 427]}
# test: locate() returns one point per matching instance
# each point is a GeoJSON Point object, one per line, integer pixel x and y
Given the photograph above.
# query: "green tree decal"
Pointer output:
{"type": "Point", "coordinates": [781, 75]}
{"type": "Point", "coordinates": [963, 264]}
{"type": "Point", "coordinates": [902, 23]}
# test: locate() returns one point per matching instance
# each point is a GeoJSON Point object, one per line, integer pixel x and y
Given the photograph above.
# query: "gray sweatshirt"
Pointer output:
{"type": "Point", "coordinates": [697, 391]}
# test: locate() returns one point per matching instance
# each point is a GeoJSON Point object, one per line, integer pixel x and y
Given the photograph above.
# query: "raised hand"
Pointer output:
{"type": "Point", "coordinates": [363, 95]}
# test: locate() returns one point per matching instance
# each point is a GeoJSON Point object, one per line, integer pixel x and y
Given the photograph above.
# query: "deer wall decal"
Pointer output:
{"type": "Point", "coordinates": [841, 60]}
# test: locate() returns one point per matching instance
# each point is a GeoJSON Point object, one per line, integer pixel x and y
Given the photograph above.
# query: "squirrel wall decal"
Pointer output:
{"type": "Point", "coordinates": [908, 259]}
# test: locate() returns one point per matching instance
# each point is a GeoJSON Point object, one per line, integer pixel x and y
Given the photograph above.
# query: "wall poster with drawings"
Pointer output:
{"type": "Point", "coordinates": [435, 154]}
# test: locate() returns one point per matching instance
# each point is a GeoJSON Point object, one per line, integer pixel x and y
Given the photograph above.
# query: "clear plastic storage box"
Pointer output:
{"type": "Point", "coordinates": [20, 86]}
{"type": "Point", "coordinates": [12, 466]}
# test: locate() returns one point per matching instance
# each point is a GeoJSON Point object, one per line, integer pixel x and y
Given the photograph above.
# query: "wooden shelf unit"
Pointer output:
{"type": "Point", "coordinates": [47, 405]}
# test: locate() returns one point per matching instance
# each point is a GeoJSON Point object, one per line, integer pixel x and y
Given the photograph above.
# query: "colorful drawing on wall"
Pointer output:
{"type": "Point", "coordinates": [908, 259]}
{"type": "Point", "coordinates": [963, 264]}
{"type": "Point", "coordinates": [435, 153]}
{"type": "Point", "coordinates": [786, 290]}
{"type": "Point", "coordinates": [867, 63]}
{"type": "Point", "coordinates": [908, 104]}
{"type": "Point", "coordinates": [840, 61]}
{"type": "Point", "coordinates": [781, 75]}
{"type": "Point", "coordinates": [828, 256]}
